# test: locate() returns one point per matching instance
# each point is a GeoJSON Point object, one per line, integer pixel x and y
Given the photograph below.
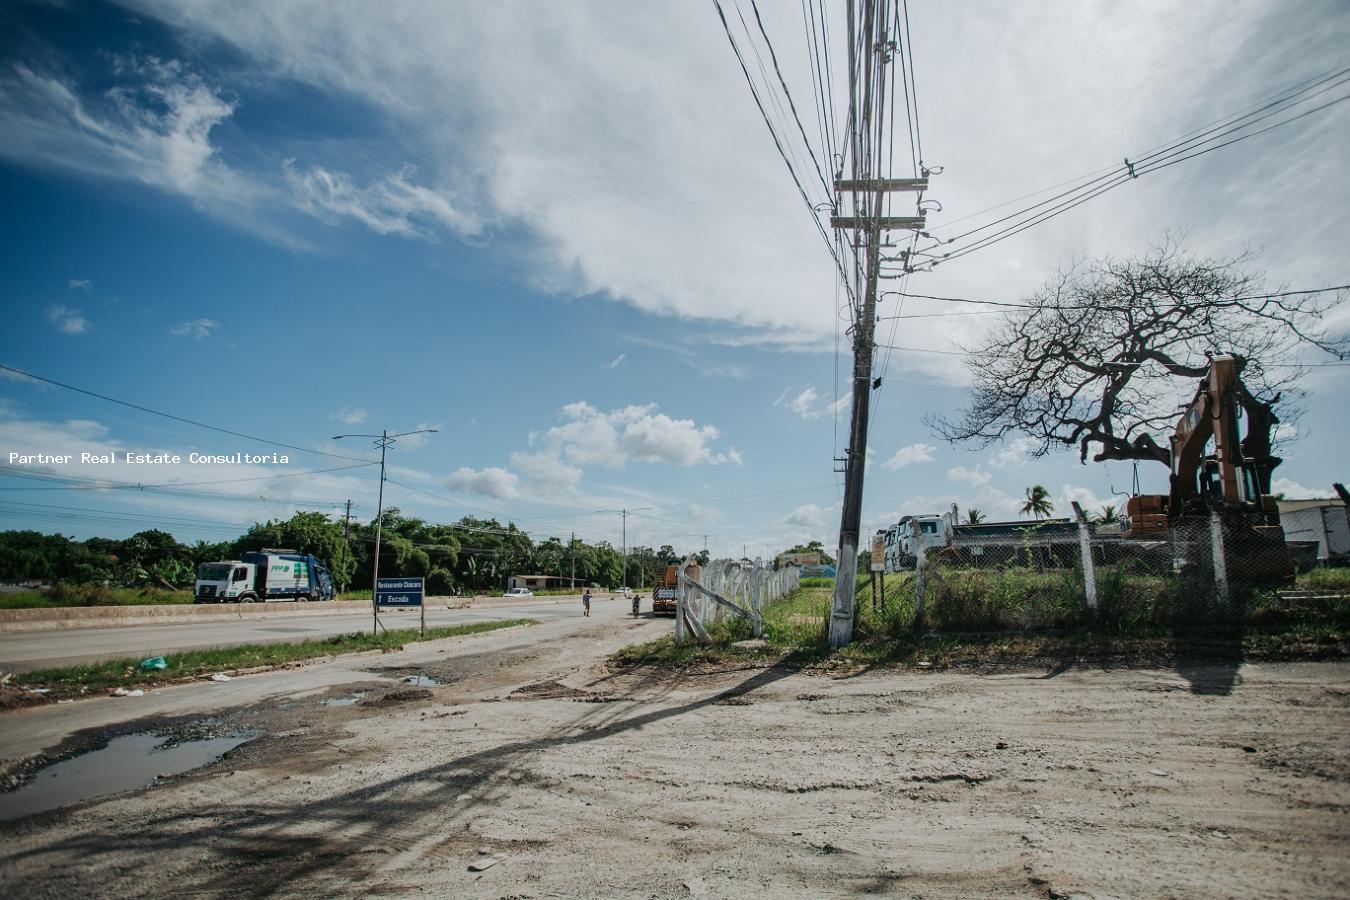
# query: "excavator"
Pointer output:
{"type": "Point", "coordinates": [1233, 479]}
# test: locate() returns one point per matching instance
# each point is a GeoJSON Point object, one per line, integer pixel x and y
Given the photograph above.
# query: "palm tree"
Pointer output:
{"type": "Point", "coordinates": [974, 516]}
{"type": "Point", "coordinates": [1038, 503]}
{"type": "Point", "coordinates": [1109, 514]}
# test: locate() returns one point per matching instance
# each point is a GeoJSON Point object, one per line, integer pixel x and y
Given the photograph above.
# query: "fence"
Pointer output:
{"type": "Point", "coordinates": [1207, 570]}
{"type": "Point", "coordinates": [728, 587]}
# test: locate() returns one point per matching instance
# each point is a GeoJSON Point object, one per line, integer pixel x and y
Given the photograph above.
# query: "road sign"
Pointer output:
{"type": "Point", "coordinates": [878, 553]}
{"type": "Point", "coordinates": [398, 592]}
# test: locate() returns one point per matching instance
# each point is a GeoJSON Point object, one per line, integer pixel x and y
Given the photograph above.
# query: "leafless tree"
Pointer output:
{"type": "Point", "coordinates": [1106, 352]}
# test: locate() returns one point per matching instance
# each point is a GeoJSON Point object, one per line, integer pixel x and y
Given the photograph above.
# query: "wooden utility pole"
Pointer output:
{"type": "Point", "coordinates": [868, 188]}
{"type": "Point", "coordinates": [346, 522]}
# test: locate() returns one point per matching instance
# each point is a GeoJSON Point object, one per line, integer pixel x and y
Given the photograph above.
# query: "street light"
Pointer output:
{"type": "Point", "coordinates": [383, 440]}
{"type": "Point", "coordinates": [624, 513]}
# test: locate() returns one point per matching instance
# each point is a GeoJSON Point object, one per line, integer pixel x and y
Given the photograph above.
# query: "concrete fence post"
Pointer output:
{"type": "Point", "coordinates": [1085, 546]}
{"type": "Point", "coordinates": [920, 573]}
{"type": "Point", "coordinates": [680, 607]}
{"type": "Point", "coordinates": [756, 596]}
{"type": "Point", "coordinates": [1220, 561]}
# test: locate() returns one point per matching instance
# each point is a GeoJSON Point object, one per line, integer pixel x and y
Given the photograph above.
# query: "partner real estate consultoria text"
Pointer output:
{"type": "Point", "coordinates": [148, 459]}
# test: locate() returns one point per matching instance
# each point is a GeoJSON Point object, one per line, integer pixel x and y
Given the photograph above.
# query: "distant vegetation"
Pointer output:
{"type": "Point", "coordinates": [469, 556]}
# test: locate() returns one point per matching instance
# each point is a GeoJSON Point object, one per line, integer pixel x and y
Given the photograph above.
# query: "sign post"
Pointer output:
{"type": "Point", "coordinates": [401, 592]}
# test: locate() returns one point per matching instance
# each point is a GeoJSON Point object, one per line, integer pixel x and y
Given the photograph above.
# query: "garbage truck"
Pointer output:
{"type": "Point", "coordinates": [264, 577]}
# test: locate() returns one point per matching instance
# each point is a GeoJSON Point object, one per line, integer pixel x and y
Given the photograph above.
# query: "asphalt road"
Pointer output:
{"type": "Point", "coordinates": [26, 651]}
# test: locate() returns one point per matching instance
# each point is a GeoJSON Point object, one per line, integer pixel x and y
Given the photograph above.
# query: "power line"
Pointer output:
{"type": "Point", "coordinates": [773, 133]}
{"type": "Point", "coordinates": [155, 412]}
{"type": "Point", "coordinates": [1104, 307]}
{"type": "Point", "coordinates": [1190, 146]}
{"type": "Point", "coordinates": [73, 482]}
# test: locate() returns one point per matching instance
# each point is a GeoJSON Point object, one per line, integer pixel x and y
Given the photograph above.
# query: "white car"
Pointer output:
{"type": "Point", "coordinates": [519, 592]}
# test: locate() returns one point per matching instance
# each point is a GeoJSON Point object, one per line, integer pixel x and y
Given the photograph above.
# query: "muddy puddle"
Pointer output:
{"type": "Point", "coordinates": [127, 763]}
{"type": "Point", "coordinates": [424, 681]}
{"type": "Point", "coordinates": [344, 701]}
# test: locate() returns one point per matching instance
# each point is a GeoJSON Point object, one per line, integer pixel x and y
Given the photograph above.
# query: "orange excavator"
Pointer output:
{"type": "Point", "coordinates": [1233, 479]}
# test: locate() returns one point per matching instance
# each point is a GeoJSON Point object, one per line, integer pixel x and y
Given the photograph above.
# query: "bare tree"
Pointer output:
{"type": "Point", "coordinates": [1104, 353]}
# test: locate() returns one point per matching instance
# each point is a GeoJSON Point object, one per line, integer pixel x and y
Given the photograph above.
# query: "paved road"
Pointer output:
{"type": "Point", "coordinates": [25, 651]}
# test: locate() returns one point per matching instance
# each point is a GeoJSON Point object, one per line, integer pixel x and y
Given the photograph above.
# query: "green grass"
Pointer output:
{"type": "Point", "coordinates": [1016, 618]}
{"type": "Point", "coordinates": [65, 595]}
{"type": "Point", "coordinates": [189, 665]}
{"type": "Point", "coordinates": [1325, 580]}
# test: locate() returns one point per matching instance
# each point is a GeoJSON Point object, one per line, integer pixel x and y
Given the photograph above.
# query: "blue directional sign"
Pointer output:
{"type": "Point", "coordinates": [398, 592]}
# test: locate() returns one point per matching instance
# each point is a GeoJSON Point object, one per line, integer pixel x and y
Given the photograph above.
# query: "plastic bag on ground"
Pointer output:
{"type": "Point", "coordinates": [154, 664]}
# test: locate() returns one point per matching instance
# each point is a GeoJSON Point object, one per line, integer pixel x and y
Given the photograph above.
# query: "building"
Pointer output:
{"type": "Point", "coordinates": [796, 559]}
{"type": "Point", "coordinates": [1324, 521]}
{"type": "Point", "coordinates": [544, 582]}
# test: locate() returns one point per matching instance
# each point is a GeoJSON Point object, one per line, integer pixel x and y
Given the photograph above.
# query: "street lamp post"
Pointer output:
{"type": "Point", "coordinates": [383, 440]}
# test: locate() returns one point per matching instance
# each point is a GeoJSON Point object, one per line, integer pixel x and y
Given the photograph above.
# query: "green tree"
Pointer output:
{"type": "Point", "coordinates": [813, 547]}
{"type": "Point", "coordinates": [1038, 503]}
{"type": "Point", "coordinates": [1108, 514]}
{"type": "Point", "coordinates": [974, 516]}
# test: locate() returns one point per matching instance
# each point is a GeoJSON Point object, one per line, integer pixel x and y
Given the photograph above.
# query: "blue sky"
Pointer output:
{"type": "Point", "coordinates": [559, 234]}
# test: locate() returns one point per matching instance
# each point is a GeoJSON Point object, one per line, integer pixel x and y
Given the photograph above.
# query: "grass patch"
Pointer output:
{"type": "Point", "coordinates": [190, 665]}
{"type": "Point", "coordinates": [986, 630]}
{"type": "Point", "coordinates": [1325, 580]}
{"type": "Point", "coordinates": [64, 595]}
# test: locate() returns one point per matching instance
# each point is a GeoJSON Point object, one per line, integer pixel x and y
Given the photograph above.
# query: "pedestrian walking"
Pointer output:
{"type": "Point", "coordinates": [586, 603]}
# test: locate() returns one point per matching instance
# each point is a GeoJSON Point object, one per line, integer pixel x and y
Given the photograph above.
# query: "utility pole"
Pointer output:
{"type": "Point", "coordinates": [624, 514]}
{"type": "Point", "coordinates": [383, 440]}
{"type": "Point", "coordinates": [868, 189]}
{"type": "Point", "coordinates": [346, 548]}
{"type": "Point", "coordinates": [572, 545]}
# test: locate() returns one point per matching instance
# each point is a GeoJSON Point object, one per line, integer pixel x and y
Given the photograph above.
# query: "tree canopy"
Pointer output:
{"type": "Point", "coordinates": [1103, 354]}
{"type": "Point", "coordinates": [473, 554]}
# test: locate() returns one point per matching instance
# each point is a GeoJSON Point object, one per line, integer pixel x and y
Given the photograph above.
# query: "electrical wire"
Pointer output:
{"type": "Point", "coordinates": [1168, 155]}
{"type": "Point", "coordinates": [155, 412]}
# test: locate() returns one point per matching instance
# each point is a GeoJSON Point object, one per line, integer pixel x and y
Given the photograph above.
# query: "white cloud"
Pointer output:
{"type": "Point", "coordinates": [152, 126]}
{"type": "Point", "coordinates": [391, 205]}
{"type": "Point", "coordinates": [630, 434]}
{"type": "Point", "coordinates": [67, 320]}
{"type": "Point", "coordinates": [490, 482]}
{"type": "Point", "coordinates": [546, 472]}
{"type": "Point", "coordinates": [198, 328]}
{"type": "Point", "coordinates": [910, 455]}
{"type": "Point", "coordinates": [419, 438]}
{"type": "Point", "coordinates": [804, 404]}
{"type": "Point", "coordinates": [614, 363]}
{"type": "Point", "coordinates": [1091, 503]}
{"type": "Point", "coordinates": [80, 284]}
{"type": "Point", "coordinates": [351, 415]}
{"type": "Point", "coordinates": [976, 476]}
{"type": "Point", "coordinates": [808, 515]}
{"type": "Point", "coordinates": [1292, 490]}
{"type": "Point", "coordinates": [1014, 452]}
{"type": "Point", "coordinates": [20, 376]}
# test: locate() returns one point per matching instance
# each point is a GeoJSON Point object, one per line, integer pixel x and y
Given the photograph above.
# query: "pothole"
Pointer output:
{"type": "Point", "coordinates": [423, 681]}
{"type": "Point", "coordinates": [130, 762]}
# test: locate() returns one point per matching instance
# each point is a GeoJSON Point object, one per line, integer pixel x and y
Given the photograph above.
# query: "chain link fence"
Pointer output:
{"type": "Point", "coordinates": [1203, 571]}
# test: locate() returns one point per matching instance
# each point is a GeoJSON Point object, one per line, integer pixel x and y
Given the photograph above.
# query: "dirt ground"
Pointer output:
{"type": "Point", "coordinates": [571, 780]}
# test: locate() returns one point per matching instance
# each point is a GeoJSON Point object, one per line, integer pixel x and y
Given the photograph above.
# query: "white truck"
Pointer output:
{"type": "Point", "coordinates": [264, 577]}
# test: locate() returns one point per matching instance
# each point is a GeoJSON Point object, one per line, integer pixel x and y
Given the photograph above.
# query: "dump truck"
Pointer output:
{"type": "Point", "coordinates": [665, 591]}
{"type": "Point", "coordinates": [264, 577]}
